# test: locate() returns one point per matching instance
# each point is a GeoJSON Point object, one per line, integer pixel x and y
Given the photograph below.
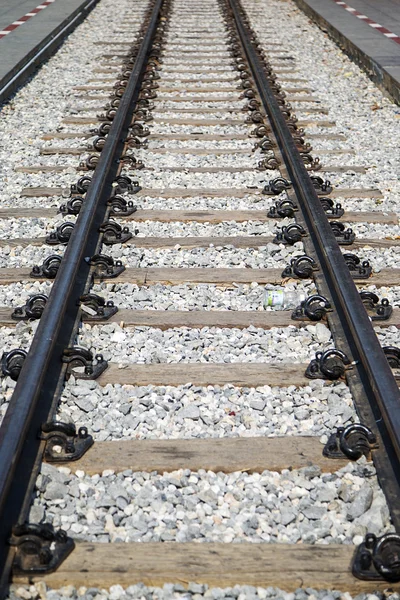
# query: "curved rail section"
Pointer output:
{"type": "Point", "coordinates": [43, 371]}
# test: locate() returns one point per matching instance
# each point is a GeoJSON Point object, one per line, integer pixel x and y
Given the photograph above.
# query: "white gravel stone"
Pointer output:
{"type": "Point", "coordinates": [204, 506]}
{"type": "Point", "coordinates": [24, 123]}
{"type": "Point", "coordinates": [32, 227]}
{"type": "Point", "coordinates": [28, 256]}
{"type": "Point", "coordinates": [192, 591]}
{"type": "Point", "coordinates": [195, 229]}
{"type": "Point", "coordinates": [207, 345]}
{"type": "Point", "coordinates": [154, 412]}
{"type": "Point", "coordinates": [269, 256]}
{"type": "Point", "coordinates": [358, 107]}
{"type": "Point", "coordinates": [192, 296]}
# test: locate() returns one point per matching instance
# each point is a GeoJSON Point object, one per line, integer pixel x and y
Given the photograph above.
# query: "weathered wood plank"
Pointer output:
{"type": "Point", "coordinates": [201, 216]}
{"type": "Point", "coordinates": [238, 374]}
{"type": "Point", "coordinates": [17, 213]}
{"type": "Point", "coordinates": [184, 137]}
{"type": "Point", "coordinates": [163, 242]}
{"type": "Point", "coordinates": [228, 122]}
{"type": "Point", "coordinates": [37, 192]}
{"type": "Point", "coordinates": [215, 564]}
{"type": "Point", "coordinates": [199, 122]}
{"type": "Point", "coordinates": [221, 276]}
{"type": "Point", "coordinates": [228, 276]}
{"type": "Point", "coordinates": [169, 319]}
{"type": "Point", "coordinates": [13, 275]}
{"type": "Point", "coordinates": [208, 169]}
{"type": "Point", "coordinates": [56, 150]}
{"type": "Point", "coordinates": [246, 151]}
{"type": "Point", "coordinates": [65, 135]}
{"type": "Point", "coordinates": [253, 455]}
{"type": "Point", "coordinates": [80, 120]}
{"type": "Point", "coordinates": [220, 216]}
{"type": "Point", "coordinates": [45, 169]}
{"type": "Point", "coordinates": [239, 241]}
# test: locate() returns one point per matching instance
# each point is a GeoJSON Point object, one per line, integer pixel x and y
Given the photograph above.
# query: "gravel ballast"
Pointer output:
{"type": "Point", "coordinates": [296, 506]}
{"type": "Point", "coordinates": [293, 506]}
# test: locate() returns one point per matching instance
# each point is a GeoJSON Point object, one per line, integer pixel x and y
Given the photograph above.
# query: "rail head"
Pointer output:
{"type": "Point", "coordinates": [32, 403]}
{"type": "Point", "coordinates": [379, 385]}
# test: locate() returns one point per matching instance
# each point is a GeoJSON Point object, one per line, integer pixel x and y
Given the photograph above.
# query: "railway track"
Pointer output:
{"type": "Point", "coordinates": [151, 387]}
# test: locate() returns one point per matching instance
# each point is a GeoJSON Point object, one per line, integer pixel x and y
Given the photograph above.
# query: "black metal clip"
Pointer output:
{"type": "Point", "coordinates": [49, 268]}
{"type": "Point", "coordinates": [77, 357]}
{"type": "Point", "coordinates": [290, 235]}
{"type": "Point", "coordinates": [321, 186]}
{"type": "Point", "coordinates": [249, 93]}
{"type": "Point", "coordinates": [40, 549]}
{"type": "Point", "coordinates": [12, 363]}
{"type": "Point", "coordinates": [265, 145]}
{"type": "Point", "coordinates": [253, 105]}
{"type": "Point", "coordinates": [314, 308]}
{"type": "Point", "coordinates": [33, 309]}
{"type": "Point", "coordinates": [269, 164]}
{"type": "Point", "coordinates": [377, 311]}
{"type": "Point", "coordinates": [311, 163]}
{"type": "Point", "coordinates": [129, 161]}
{"type": "Point", "coordinates": [120, 207]}
{"type": "Point", "coordinates": [142, 114]}
{"type": "Point", "coordinates": [61, 235]}
{"type": "Point", "coordinates": [63, 443]}
{"type": "Point", "coordinates": [330, 365]}
{"type": "Point", "coordinates": [301, 267]}
{"type": "Point", "coordinates": [134, 142]}
{"type": "Point", "coordinates": [137, 129]}
{"type": "Point", "coordinates": [260, 131]}
{"type": "Point", "coordinates": [332, 210]}
{"type": "Point", "coordinates": [344, 237]}
{"type": "Point", "coordinates": [276, 186]}
{"type": "Point", "coordinates": [105, 267]}
{"type": "Point", "coordinates": [124, 185]}
{"type": "Point", "coordinates": [82, 186]}
{"type": "Point", "coordinates": [392, 354]}
{"type": "Point", "coordinates": [90, 163]}
{"type": "Point", "coordinates": [282, 209]}
{"type": "Point", "coordinates": [73, 206]}
{"type": "Point", "coordinates": [255, 116]}
{"type": "Point", "coordinates": [98, 143]}
{"type": "Point", "coordinates": [351, 442]}
{"type": "Point", "coordinates": [358, 269]}
{"type": "Point", "coordinates": [95, 308]}
{"type": "Point", "coordinates": [378, 558]}
{"type": "Point", "coordinates": [104, 128]}
{"type": "Point", "coordinates": [113, 233]}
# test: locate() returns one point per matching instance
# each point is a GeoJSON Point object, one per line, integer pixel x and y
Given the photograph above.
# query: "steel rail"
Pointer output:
{"type": "Point", "coordinates": [379, 385]}
{"type": "Point", "coordinates": [32, 403]}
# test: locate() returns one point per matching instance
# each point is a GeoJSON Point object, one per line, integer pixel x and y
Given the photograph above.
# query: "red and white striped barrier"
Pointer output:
{"type": "Point", "coordinates": [370, 22]}
{"type": "Point", "coordinates": [25, 18]}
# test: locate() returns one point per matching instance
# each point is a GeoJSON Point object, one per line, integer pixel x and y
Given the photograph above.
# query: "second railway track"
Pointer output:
{"type": "Point", "coordinates": [168, 407]}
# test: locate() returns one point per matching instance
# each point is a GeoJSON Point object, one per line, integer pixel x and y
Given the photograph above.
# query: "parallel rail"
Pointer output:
{"type": "Point", "coordinates": [35, 398]}
{"type": "Point", "coordinates": [378, 400]}
{"type": "Point", "coordinates": [33, 402]}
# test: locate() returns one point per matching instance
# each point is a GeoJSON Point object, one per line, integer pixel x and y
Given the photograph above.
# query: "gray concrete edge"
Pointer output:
{"type": "Point", "coordinates": [376, 72]}
{"type": "Point", "coordinates": [46, 47]}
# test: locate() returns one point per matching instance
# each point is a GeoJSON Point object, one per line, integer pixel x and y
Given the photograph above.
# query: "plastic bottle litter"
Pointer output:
{"type": "Point", "coordinates": [282, 299]}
